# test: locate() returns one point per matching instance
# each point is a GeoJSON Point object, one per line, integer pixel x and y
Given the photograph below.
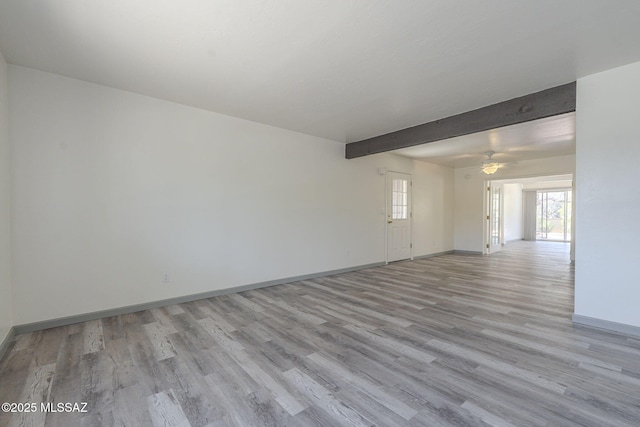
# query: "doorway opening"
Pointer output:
{"type": "Point", "coordinates": [533, 208]}
{"type": "Point", "coordinates": [553, 215]}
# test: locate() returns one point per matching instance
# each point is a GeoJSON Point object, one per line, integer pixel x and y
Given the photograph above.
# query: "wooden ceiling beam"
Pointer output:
{"type": "Point", "coordinates": [547, 103]}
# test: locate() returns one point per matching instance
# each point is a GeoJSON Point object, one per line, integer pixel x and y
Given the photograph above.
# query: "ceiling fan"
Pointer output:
{"type": "Point", "coordinates": [490, 166]}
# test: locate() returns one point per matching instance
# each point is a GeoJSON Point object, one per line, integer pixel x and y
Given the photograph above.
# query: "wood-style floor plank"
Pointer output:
{"type": "Point", "coordinates": [452, 340]}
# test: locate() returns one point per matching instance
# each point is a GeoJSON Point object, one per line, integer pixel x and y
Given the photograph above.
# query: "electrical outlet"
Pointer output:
{"type": "Point", "coordinates": [165, 278]}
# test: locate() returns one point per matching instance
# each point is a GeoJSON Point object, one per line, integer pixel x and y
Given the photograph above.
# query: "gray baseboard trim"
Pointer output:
{"type": "Point", "coordinates": [433, 255]}
{"type": "Point", "coordinates": [6, 342]}
{"type": "Point", "coordinates": [461, 252]}
{"type": "Point", "coordinates": [69, 320]}
{"type": "Point", "coordinates": [606, 325]}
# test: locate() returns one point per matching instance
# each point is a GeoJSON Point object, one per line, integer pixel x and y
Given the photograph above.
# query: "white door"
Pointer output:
{"type": "Point", "coordinates": [494, 217]}
{"type": "Point", "coordinates": [398, 216]}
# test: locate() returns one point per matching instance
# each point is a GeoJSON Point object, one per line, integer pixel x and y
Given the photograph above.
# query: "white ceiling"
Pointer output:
{"type": "Point", "coordinates": [343, 70]}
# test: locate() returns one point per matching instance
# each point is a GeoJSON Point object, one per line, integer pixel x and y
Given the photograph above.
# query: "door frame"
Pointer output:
{"type": "Point", "coordinates": [486, 244]}
{"type": "Point", "coordinates": [387, 212]}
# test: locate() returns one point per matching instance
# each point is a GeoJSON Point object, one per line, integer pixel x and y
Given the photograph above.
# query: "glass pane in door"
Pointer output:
{"type": "Point", "coordinates": [399, 198]}
{"type": "Point", "coordinates": [495, 215]}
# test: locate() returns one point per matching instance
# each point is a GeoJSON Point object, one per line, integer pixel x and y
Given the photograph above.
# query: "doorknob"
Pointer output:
{"type": "Point", "coordinates": [389, 222]}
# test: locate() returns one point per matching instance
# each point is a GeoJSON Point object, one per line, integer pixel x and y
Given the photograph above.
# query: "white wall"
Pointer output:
{"type": "Point", "coordinates": [607, 283]}
{"type": "Point", "coordinates": [113, 189]}
{"type": "Point", "coordinates": [469, 192]}
{"type": "Point", "coordinates": [468, 209]}
{"type": "Point", "coordinates": [432, 208]}
{"type": "Point", "coordinates": [6, 311]}
{"type": "Point", "coordinates": [512, 212]}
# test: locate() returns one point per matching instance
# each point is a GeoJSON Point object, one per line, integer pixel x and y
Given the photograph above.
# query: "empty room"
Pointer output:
{"type": "Point", "coordinates": [319, 213]}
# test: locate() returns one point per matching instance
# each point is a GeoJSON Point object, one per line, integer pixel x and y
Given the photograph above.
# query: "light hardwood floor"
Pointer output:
{"type": "Point", "coordinates": [451, 340]}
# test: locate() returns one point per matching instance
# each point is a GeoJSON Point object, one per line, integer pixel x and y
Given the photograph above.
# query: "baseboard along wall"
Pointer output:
{"type": "Point", "coordinates": [433, 255]}
{"type": "Point", "coordinates": [69, 320]}
{"type": "Point", "coordinates": [4, 345]}
{"type": "Point", "coordinates": [605, 325]}
{"type": "Point", "coordinates": [578, 320]}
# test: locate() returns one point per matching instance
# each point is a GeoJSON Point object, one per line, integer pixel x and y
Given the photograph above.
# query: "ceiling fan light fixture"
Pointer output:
{"type": "Point", "coordinates": [490, 168]}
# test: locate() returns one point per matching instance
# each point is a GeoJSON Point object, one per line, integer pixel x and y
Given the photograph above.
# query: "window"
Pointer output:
{"type": "Point", "coordinates": [399, 198]}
